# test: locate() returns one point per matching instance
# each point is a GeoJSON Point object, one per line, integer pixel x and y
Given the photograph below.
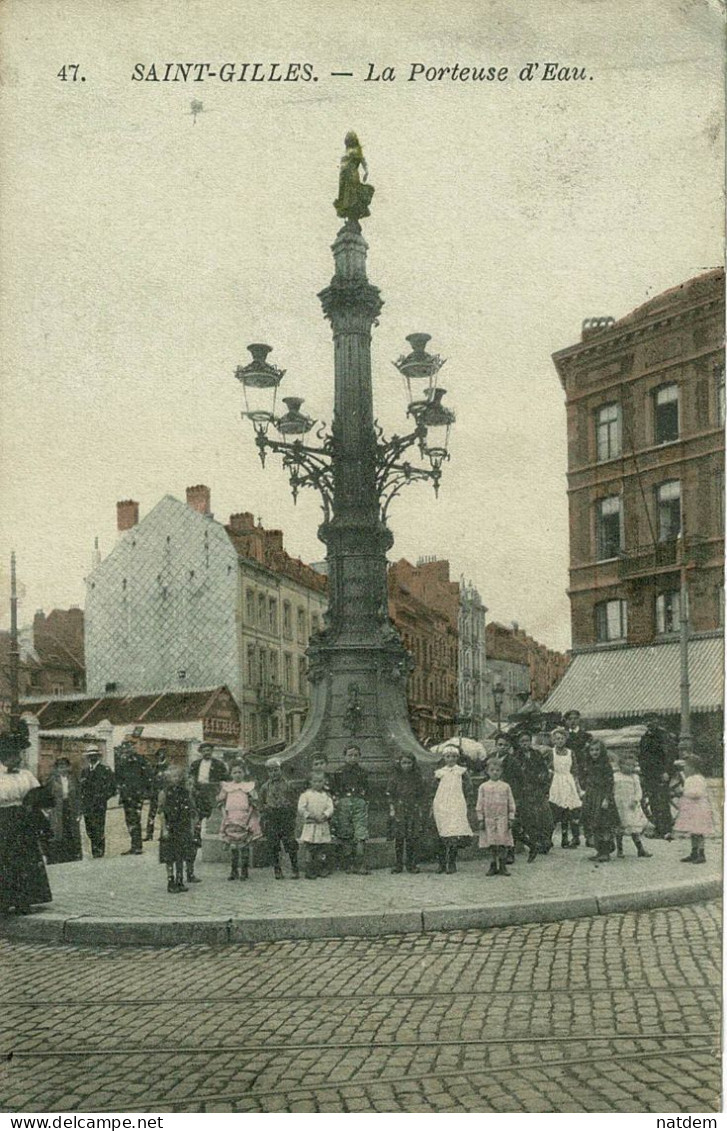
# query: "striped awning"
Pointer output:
{"type": "Point", "coordinates": [630, 682]}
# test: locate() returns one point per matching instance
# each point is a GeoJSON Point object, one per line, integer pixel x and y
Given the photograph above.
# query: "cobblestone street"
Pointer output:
{"type": "Point", "coordinates": [609, 1014]}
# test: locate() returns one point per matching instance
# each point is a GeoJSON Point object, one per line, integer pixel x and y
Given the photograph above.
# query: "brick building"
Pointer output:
{"type": "Point", "coordinates": [59, 650]}
{"type": "Point", "coordinates": [526, 669]}
{"type": "Point", "coordinates": [424, 606]}
{"type": "Point", "coordinates": [51, 658]}
{"type": "Point", "coordinates": [645, 399]}
{"type": "Point", "coordinates": [185, 601]}
{"type": "Point", "coordinates": [547, 666]}
{"type": "Point", "coordinates": [508, 664]}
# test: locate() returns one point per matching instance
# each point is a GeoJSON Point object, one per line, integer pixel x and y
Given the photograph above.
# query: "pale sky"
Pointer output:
{"type": "Point", "coordinates": [143, 249]}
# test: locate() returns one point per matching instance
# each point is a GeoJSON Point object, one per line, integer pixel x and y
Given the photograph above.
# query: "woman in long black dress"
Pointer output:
{"type": "Point", "coordinates": [65, 816]}
{"type": "Point", "coordinates": [23, 878]}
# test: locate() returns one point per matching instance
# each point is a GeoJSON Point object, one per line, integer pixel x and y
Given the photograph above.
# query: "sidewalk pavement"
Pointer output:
{"type": "Point", "coordinates": [123, 900]}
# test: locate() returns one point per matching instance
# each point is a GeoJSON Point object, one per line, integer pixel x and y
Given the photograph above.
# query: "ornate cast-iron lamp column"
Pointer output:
{"type": "Point", "coordinates": [358, 666]}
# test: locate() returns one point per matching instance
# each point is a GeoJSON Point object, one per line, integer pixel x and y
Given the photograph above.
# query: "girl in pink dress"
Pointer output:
{"type": "Point", "coordinates": [240, 820]}
{"type": "Point", "coordinates": [495, 815]}
{"type": "Point", "coordinates": [694, 814]}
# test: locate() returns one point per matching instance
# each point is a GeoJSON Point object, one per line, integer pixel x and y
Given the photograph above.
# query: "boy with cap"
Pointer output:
{"type": "Point", "coordinates": [352, 811]}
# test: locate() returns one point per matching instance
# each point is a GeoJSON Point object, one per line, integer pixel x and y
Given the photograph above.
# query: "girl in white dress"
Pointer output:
{"type": "Point", "coordinates": [449, 810]}
{"type": "Point", "coordinates": [629, 802]}
{"type": "Point", "coordinates": [565, 796]}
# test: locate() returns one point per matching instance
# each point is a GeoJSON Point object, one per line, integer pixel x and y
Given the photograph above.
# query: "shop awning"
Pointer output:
{"type": "Point", "coordinates": [629, 682]}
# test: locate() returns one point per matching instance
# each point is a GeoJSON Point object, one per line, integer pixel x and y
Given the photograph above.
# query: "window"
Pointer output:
{"type": "Point", "coordinates": [302, 676]}
{"type": "Point", "coordinates": [288, 671]}
{"type": "Point", "coordinates": [611, 621]}
{"type": "Point", "coordinates": [719, 593]}
{"type": "Point", "coordinates": [273, 615]}
{"type": "Point", "coordinates": [302, 634]}
{"type": "Point", "coordinates": [666, 414]}
{"type": "Point", "coordinates": [250, 606]}
{"type": "Point", "coordinates": [719, 489]}
{"type": "Point", "coordinates": [261, 607]}
{"type": "Point", "coordinates": [719, 383]}
{"type": "Point", "coordinates": [273, 667]}
{"type": "Point", "coordinates": [287, 620]}
{"type": "Point", "coordinates": [608, 527]}
{"type": "Point", "coordinates": [669, 510]}
{"type": "Point", "coordinates": [668, 612]}
{"type": "Point", "coordinates": [251, 664]}
{"type": "Point", "coordinates": [608, 432]}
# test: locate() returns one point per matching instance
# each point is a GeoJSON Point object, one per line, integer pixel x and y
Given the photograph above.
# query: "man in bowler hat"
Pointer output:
{"type": "Point", "coordinates": [97, 787]}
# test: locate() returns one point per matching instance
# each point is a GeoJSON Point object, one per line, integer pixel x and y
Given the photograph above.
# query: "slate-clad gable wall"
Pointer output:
{"type": "Point", "coordinates": [164, 602]}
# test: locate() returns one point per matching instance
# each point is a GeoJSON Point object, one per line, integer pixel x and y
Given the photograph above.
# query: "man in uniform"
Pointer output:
{"type": "Point", "coordinates": [134, 779]}
{"type": "Point", "coordinates": [97, 787]}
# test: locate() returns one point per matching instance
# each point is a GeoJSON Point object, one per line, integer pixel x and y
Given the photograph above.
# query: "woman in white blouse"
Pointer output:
{"type": "Point", "coordinates": [23, 878]}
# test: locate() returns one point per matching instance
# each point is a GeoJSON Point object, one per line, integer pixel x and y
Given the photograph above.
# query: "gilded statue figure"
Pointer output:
{"type": "Point", "coordinates": [354, 194]}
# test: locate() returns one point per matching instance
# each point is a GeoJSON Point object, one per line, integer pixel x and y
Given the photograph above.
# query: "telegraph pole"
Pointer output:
{"type": "Point", "coordinates": [685, 723]}
{"type": "Point", "coordinates": [14, 651]}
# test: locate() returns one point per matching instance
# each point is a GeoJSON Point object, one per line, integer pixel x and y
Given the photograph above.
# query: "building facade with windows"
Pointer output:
{"type": "Point", "coordinates": [472, 667]}
{"type": "Point", "coordinates": [645, 407]}
{"type": "Point", "coordinates": [424, 606]}
{"type": "Point", "coordinates": [184, 601]}
{"type": "Point", "coordinates": [645, 403]}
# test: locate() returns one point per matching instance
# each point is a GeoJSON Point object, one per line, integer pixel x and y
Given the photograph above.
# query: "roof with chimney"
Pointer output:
{"type": "Point", "coordinates": [250, 539]}
{"type": "Point", "coordinates": [254, 543]}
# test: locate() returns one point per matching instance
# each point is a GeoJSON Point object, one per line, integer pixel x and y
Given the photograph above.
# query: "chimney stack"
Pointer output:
{"type": "Point", "coordinates": [127, 514]}
{"type": "Point", "coordinates": [198, 498]}
{"type": "Point", "coordinates": [274, 541]}
{"type": "Point", "coordinates": [243, 521]}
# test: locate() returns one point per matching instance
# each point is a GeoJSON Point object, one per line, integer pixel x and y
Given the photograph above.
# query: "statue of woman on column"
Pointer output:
{"type": "Point", "coordinates": [354, 195]}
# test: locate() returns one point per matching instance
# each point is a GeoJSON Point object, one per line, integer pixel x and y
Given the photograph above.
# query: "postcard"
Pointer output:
{"type": "Point", "coordinates": [361, 557]}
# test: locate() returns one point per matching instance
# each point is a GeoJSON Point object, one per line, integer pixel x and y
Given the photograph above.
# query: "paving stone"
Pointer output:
{"type": "Point", "coordinates": [234, 1006]}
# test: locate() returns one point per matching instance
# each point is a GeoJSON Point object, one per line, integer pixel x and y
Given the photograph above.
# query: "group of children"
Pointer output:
{"type": "Point", "coordinates": [527, 792]}
{"type": "Point", "coordinates": [530, 791]}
